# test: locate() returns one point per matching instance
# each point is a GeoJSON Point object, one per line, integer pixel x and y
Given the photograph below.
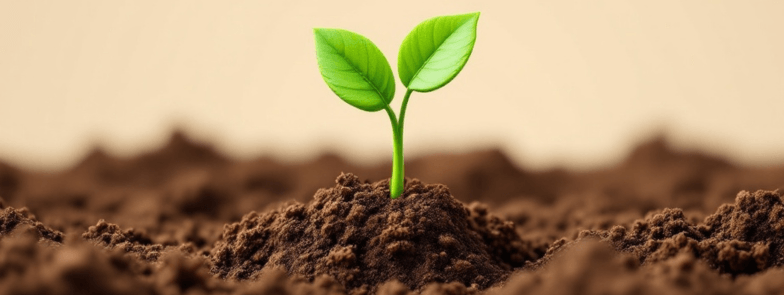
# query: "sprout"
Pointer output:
{"type": "Point", "coordinates": [431, 55]}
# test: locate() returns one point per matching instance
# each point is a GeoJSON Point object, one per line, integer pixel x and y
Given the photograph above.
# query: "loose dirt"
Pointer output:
{"type": "Point", "coordinates": [185, 219]}
{"type": "Point", "coordinates": [355, 233]}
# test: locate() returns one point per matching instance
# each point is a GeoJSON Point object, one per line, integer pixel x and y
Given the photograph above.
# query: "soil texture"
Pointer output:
{"type": "Point", "coordinates": [355, 233]}
{"type": "Point", "coordinates": [185, 219]}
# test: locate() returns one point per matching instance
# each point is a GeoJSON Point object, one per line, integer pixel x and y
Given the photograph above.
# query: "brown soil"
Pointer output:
{"type": "Point", "coordinates": [187, 220]}
{"type": "Point", "coordinates": [355, 233]}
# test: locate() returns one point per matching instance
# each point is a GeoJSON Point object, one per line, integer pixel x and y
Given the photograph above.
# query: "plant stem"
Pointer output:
{"type": "Point", "coordinates": [396, 184]}
{"type": "Point", "coordinates": [403, 115]}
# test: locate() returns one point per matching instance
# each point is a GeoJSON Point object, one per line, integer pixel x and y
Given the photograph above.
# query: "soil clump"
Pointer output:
{"type": "Point", "coordinates": [741, 238]}
{"type": "Point", "coordinates": [21, 220]}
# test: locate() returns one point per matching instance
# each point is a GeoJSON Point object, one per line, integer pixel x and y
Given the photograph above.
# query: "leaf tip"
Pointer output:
{"type": "Point", "coordinates": [474, 15]}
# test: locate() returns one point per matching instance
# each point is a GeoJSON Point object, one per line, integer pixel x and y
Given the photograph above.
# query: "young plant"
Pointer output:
{"type": "Point", "coordinates": [430, 56]}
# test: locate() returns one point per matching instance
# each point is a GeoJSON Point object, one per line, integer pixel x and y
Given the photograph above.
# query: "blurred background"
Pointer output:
{"type": "Point", "coordinates": [553, 83]}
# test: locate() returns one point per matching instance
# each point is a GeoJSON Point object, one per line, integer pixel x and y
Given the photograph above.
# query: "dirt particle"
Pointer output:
{"type": "Point", "coordinates": [447, 241]}
{"type": "Point", "coordinates": [344, 256]}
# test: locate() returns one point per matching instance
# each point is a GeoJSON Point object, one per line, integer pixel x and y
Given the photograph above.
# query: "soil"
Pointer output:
{"type": "Point", "coordinates": [185, 219]}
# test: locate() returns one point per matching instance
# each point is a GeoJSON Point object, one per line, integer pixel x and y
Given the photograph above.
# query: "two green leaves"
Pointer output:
{"type": "Point", "coordinates": [431, 56]}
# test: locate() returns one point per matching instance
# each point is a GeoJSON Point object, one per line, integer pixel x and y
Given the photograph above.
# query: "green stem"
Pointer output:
{"type": "Point", "coordinates": [403, 114]}
{"type": "Point", "coordinates": [396, 184]}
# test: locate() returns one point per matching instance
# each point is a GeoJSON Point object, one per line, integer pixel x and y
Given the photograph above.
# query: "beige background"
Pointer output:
{"type": "Point", "coordinates": [554, 82]}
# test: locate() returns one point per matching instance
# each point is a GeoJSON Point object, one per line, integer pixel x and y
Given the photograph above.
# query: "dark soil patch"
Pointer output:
{"type": "Point", "coordinates": [187, 220]}
{"type": "Point", "coordinates": [358, 235]}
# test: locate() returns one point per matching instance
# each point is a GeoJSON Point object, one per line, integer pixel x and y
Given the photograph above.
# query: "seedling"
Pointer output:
{"type": "Point", "coordinates": [430, 56]}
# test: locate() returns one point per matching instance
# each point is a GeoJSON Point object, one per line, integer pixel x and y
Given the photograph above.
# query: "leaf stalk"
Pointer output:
{"type": "Point", "coordinates": [396, 182]}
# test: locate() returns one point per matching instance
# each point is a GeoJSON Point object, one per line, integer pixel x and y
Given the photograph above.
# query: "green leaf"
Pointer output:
{"type": "Point", "coordinates": [436, 50]}
{"type": "Point", "coordinates": [355, 69]}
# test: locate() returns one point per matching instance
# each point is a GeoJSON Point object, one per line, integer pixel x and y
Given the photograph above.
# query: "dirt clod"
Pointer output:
{"type": "Point", "coordinates": [12, 220]}
{"type": "Point", "coordinates": [111, 236]}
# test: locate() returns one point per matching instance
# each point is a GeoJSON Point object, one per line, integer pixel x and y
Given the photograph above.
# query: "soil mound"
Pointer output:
{"type": "Point", "coordinates": [741, 238]}
{"type": "Point", "coordinates": [112, 236]}
{"type": "Point", "coordinates": [12, 220]}
{"type": "Point", "coordinates": [357, 234]}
